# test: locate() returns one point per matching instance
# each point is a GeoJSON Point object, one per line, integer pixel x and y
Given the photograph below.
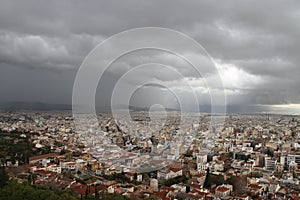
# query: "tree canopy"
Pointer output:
{"type": "Point", "coordinates": [17, 191]}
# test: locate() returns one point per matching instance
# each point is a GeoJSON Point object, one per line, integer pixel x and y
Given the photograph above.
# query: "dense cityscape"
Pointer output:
{"type": "Point", "coordinates": [154, 100]}
{"type": "Point", "coordinates": [251, 157]}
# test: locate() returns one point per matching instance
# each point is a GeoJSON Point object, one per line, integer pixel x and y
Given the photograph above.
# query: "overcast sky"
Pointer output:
{"type": "Point", "coordinates": [256, 45]}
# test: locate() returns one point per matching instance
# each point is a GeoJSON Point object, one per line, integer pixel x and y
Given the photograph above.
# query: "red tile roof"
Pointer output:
{"type": "Point", "coordinates": [43, 156]}
{"type": "Point", "coordinates": [175, 169]}
{"type": "Point", "coordinates": [222, 189]}
{"type": "Point", "coordinates": [255, 186]}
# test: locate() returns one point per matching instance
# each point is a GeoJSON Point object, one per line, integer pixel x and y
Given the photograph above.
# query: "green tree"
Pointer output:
{"type": "Point", "coordinates": [172, 181]}
{"type": "Point", "coordinates": [135, 176]}
{"type": "Point", "coordinates": [96, 192]}
{"type": "Point", "coordinates": [239, 184]}
{"type": "Point", "coordinates": [106, 196]}
{"type": "Point", "coordinates": [24, 191]}
{"type": "Point", "coordinates": [3, 177]}
{"type": "Point", "coordinates": [207, 182]}
{"type": "Point", "coordinates": [146, 179]}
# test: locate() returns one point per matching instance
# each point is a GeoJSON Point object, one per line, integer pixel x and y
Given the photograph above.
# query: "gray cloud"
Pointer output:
{"type": "Point", "coordinates": [256, 44]}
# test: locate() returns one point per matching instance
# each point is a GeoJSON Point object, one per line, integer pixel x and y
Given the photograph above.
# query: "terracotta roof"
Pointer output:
{"type": "Point", "coordinates": [41, 171]}
{"type": "Point", "coordinates": [167, 189]}
{"type": "Point", "coordinates": [222, 189]}
{"type": "Point", "coordinates": [43, 156]}
{"type": "Point", "coordinates": [80, 189]}
{"type": "Point", "coordinates": [194, 191]}
{"type": "Point", "coordinates": [200, 175]}
{"type": "Point", "coordinates": [295, 198]}
{"type": "Point", "coordinates": [130, 173]}
{"type": "Point", "coordinates": [241, 195]}
{"type": "Point", "coordinates": [255, 186]}
{"type": "Point", "coordinates": [192, 196]}
{"type": "Point", "coordinates": [162, 195]}
{"type": "Point", "coordinates": [175, 169]}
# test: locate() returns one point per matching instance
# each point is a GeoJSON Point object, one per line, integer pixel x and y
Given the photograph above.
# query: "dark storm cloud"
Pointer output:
{"type": "Point", "coordinates": [256, 43]}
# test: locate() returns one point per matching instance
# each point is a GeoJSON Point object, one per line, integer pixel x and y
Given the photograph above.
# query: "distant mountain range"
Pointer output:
{"type": "Point", "coordinates": [12, 106]}
{"type": "Point", "coordinates": [230, 109]}
{"type": "Point", "coordinates": [18, 105]}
